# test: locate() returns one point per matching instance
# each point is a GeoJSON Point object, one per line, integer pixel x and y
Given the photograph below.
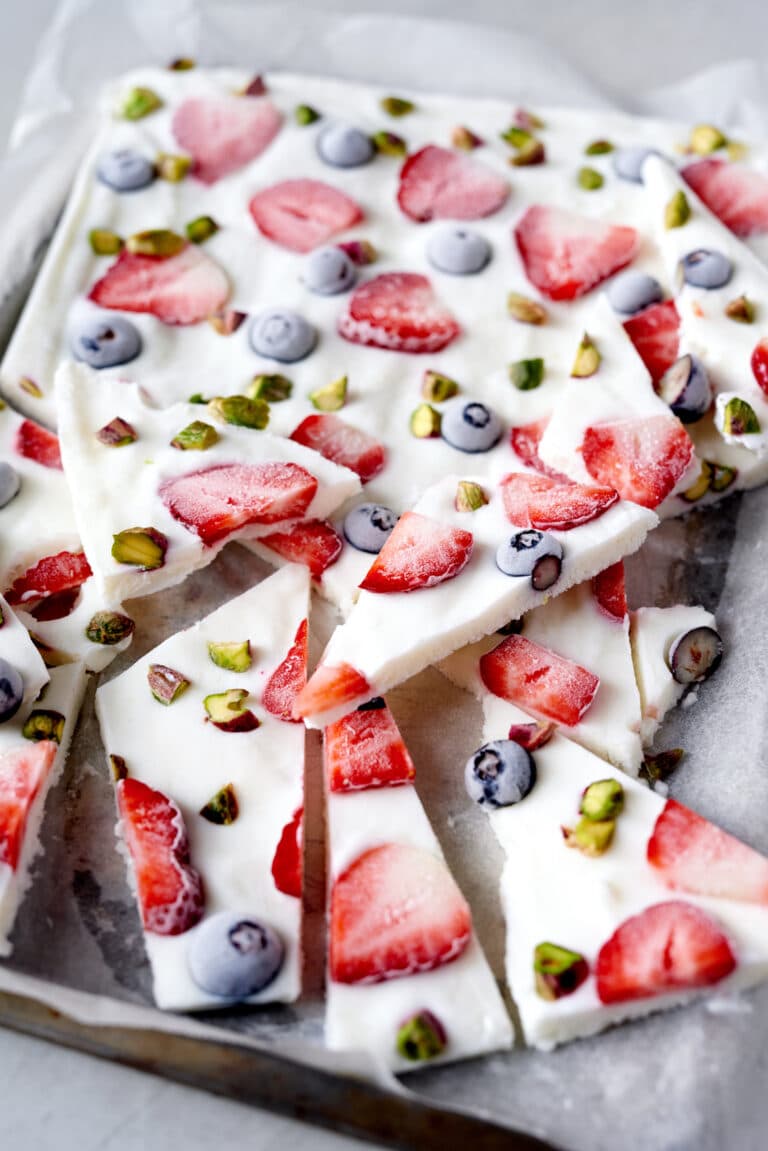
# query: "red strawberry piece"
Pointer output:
{"type": "Point", "coordinates": [331, 687]}
{"type": "Point", "coordinates": [695, 856]}
{"type": "Point", "coordinates": [525, 441]}
{"type": "Point", "coordinates": [342, 444]}
{"type": "Point", "coordinates": [655, 332]}
{"type": "Point", "coordinates": [286, 865]}
{"type": "Point", "coordinates": [759, 363]}
{"type": "Point", "coordinates": [169, 890]}
{"type": "Point", "coordinates": [216, 501]}
{"type": "Point", "coordinates": [532, 501]}
{"type": "Point", "coordinates": [53, 576]}
{"type": "Point", "coordinates": [610, 591]}
{"type": "Point", "coordinates": [223, 133]}
{"type": "Point", "coordinates": [313, 543]}
{"type": "Point", "coordinates": [365, 749]}
{"type": "Point", "coordinates": [738, 195]}
{"type": "Point", "coordinates": [395, 911]}
{"type": "Point", "coordinates": [23, 771]}
{"type": "Point", "coordinates": [398, 311]}
{"type": "Point", "coordinates": [287, 680]}
{"type": "Point", "coordinates": [35, 442]}
{"type": "Point", "coordinates": [643, 458]}
{"type": "Point", "coordinates": [302, 214]}
{"type": "Point", "coordinates": [538, 680]}
{"type": "Point", "coordinates": [419, 553]}
{"type": "Point", "coordinates": [668, 947]}
{"type": "Point", "coordinates": [565, 255]}
{"type": "Point", "coordinates": [436, 184]}
{"type": "Point", "coordinates": [181, 289]}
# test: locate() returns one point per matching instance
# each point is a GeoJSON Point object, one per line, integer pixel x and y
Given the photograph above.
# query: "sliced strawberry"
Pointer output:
{"type": "Point", "coordinates": [668, 947]}
{"type": "Point", "coordinates": [286, 866]}
{"type": "Point", "coordinates": [223, 133]}
{"type": "Point", "coordinates": [437, 184]}
{"type": "Point", "coordinates": [655, 332]}
{"type": "Point", "coordinates": [170, 891]}
{"type": "Point", "coordinates": [539, 681]}
{"type": "Point", "coordinates": [181, 289]}
{"type": "Point", "coordinates": [23, 771]}
{"type": "Point", "coordinates": [695, 856]}
{"type": "Point", "coordinates": [51, 576]}
{"type": "Point", "coordinates": [331, 687]}
{"type": "Point", "coordinates": [365, 749]}
{"type": "Point", "coordinates": [541, 502]}
{"type": "Point", "coordinates": [395, 911]}
{"type": "Point", "coordinates": [302, 214]}
{"type": "Point", "coordinates": [525, 441]}
{"type": "Point", "coordinates": [398, 311]}
{"type": "Point", "coordinates": [35, 442]}
{"type": "Point", "coordinates": [565, 255]}
{"type": "Point", "coordinates": [609, 589]}
{"type": "Point", "coordinates": [759, 363]}
{"type": "Point", "coordinates": [313, 543]}
{"type": "Point", "coordinates": [287, 680]}
{"type": "Point", "coordinates": [418, 553]}
{"type": "Point", "coordinates": [216, 501]}
{"type": "Point", "coordinates": [643, 457]}
{"type": "Point", "coordinates": [342, 444]}
{"type": "Point", "coordinates": [738, 195]}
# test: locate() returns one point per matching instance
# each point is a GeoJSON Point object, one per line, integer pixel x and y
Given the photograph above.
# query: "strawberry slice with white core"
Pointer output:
{"type": "Point", "coordinates": [609, 590]}
{"type": "Point", "coordinates": [314, 543]}
{"type": "Point", "coordinates": [643, 458]}
{"type": "Point", "coordinates": [538, 680]}
{"type": "Point", "coordinates": [216, 501]}
{"type": "Point", "coordinates": [535, 501]}
{"type": "Point", "coordinates": [565, 254]}
{"type": "Point", "coordinates": [399, 312]}
{"type": "Point", "coordinates": [181, 289]}
{"type": "Point", "coordinates": [655, 333]}
{"type": "Point", "coordinates": [736, 194]}
{"type": "Point", "coordinates": [525, 440]}
{"type": "Point", "coordinates": [437, 184]}
{"type": "Point", "coordinates": [419, 553]}
{"type": "Point", "coordinates": [365, 749]}
{"type": "Point", "coordinates": [35, 442]}
{"type": "Point", "coordinates": [287, 680]}
{"type": "Point", "coordinates": [759, 364]}
{"type": "Point", "coordinates": [50, 576]}
{"type": "Point", "coordinates": [693, 855]}
{"type": "Point", "coordinates": [303, 214]}
{"type": "Point", "coordinates": [23, 771]}
{"type": "Point", "coordinates": [669, 947]}
{"type": "Point", "coordinates": [169, 890]}
{"type": "Point", "coordinates": [395, 911]}
{"type": "Point", "coordinates": [286, 865]}
{"type": "Point", "coordinates": [342, 444]}
{"type": "Point", "coordinates": [223, 133]}
{"type": "Point", "coordinates": [331, 686]}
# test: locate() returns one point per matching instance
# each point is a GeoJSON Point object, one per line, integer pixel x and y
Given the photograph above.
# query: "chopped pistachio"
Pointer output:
{"type": "Point", "coordinates": [700, 486]}
{"type": "Point", "coordinates": [722, 477]}
{"type": "Point", "coordinates": [254, 87]}
{"type": "Point", "coordinates": [117, 433]}
{"type": "Point", "coordinates": [657, 767]}
{"type": "Point", "coordinates": [558, 970]}
{"type": "Point", "coordinates": [465, 139]}
{"type": "Point", "coordinates": [201, 229]}
{"type": "Point", "coordinates": [156, 242]}
{"type": "Point", "coordinates": [273, 389]}
{"type": "Point", "coordinates": [360, 252]}
{"type": "Point", "coordinates": [425, 422]}
{"type": "Point", "coordinates": [241, 411]}
{"type": "Point", "coordinates": [105, 243]}
{"type": "Point", "coordinates": [44, 724]}
{"type": "Point", "coordinates": [143, 547]}
{"type": "Point", "coordinates": [437, 387]}
{"type": "Point", "coordinates": [528, 120]}
{"type": "Point", "coordinates": [527, 374]}
{"type": "Point", "coordinates": [531, 153]}
{"type": "Point", "coordinates": [517, 137]}
{"type": "Point", "coordinates": [592, 837]}
{"type": "Point", "coordinates": [397, 106]}
{"type": "Point", "coordinates": [421, 1037]}
{"type": "Point", "coordinates": [118, 767]}
{"type": "Point", "coordinates": [678, 210]}
{"type": "Point", "coordinates": [742, 310]}
{"type": "Point", "coordinates": [469, 497]}
{"type": "Point", "coordinates": [30, 387]}
{"type": "Point", "coordinates": [531, 736]}
{"type": "Point", "coordinates": [305, 114]}
{"type": "Point", "coordinates": [598, 148]}
{"type": "Point", "coordinates": [109, 628]}
{"type": "Point", "coordinates": [222, 808]}
{"type": "Point", "coordinates": [587, 359]}
{"type": "Point", "coordinates": [389, 144]}
{"type": "Point", "coordinates": [603, 799]}
{"type": "Point", "coordinates": [331, 397]}
{"type": "Point", "coordinates": [182, 64]}
{"type": "Point", "coordinates": [705, 139]}
{"type": "Point", "coordinates": [590, 179]}
{"type": "Point", "coordinates": [171, 167]}
{"type": "Point", "coordinates": [525, 310]}
{"type": "Point", "coordinates": [226, 322]}
{"type": "Point", "coordinates": [227, 711]}
{"type": "Point", "coordinates": [198, 398]}
{"type": "Point", "coordinates": [165, 683]}
{"type": "Point", "coordinates": [140, 102]}
{"type": "Point", "coordinates": [740, 418]}
{"type": "Point", "coordinates": [231, 656]}
{"type": "Point", "coordinates": [195, 437]}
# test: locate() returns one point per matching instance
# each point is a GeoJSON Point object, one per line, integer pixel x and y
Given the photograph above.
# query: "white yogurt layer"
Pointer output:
{"type": "Point", "coordinates": [17, 648]}
{"type": "Point", "coordinates": [174, 750]}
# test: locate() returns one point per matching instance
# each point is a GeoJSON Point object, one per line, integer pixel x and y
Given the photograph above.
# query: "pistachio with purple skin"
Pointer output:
{"type": "Point", "coordinates": [226, 710]}
{"type": "Point", "coordinates": [171, 167]}
{"type": "Point", "coordinates": [465, 139]}
{"type": "Point", "coordinates": [558, 971]}
{"type": "Point", "coordinates": [438, 388]}
{"type": "Point", "coordinates": [144, 548]}
{"type": "Point", "coordinates": [118, 433]}
{"type": "Point", "coordinates": [226, 322]}
{"type": "Point", "coordinates": [43, 723]}
{"type": "Point", "coordinates": [222, 808]}
{"type": "Point", "coordinates": [531, 736]}
{"type": "Point", "coordinates": [109, 628]}
{"type": "Point", "coordinates": [118, 767]}
{"type": "Point", "coordinates": [305, 114]}
{"type": "Point", "coordinates": [165, 683]}
{"type": "Point", "coordinates": [360, 252]}
{"type": "Point", "coordinates": [421, 1037]}
{"type": "Point", "coordinates": [389, 144]}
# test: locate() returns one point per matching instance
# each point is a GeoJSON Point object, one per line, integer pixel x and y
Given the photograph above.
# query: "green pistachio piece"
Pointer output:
{"type": "Point", "coordinates": [305, 114]}
{"type": "Point", "coordinates": [661, 765]}
{"type": "Point", "coordinates": [678, 210]}
{"type": "Point", "coordinates": [722, 477]}
{"type": "Point", "coordinates": [587, 359]}
{"type": "Point", "coordinates": [44, 724]}
{"type": "Point", "coordinates": [105, 243]}
{"type": "Point", "coordinates": [171, 167]}
{"type": "Point", "coordinates": [700, 486]}
{"type": "Point", "coordinates": [705, 139]}
{"type": "Point", "coordinates": [143, 547]}
{"type": "Point", "coordinates": [231, 656]}
{"type": "Point", "coordinates": [397, 106]}
{"type": "Point", "coordinates": [465, 139]}
{"type": "Point", "coordinates": [531, 153]}
{"type": "Point", "coordinates": [425, 422]}
{"type": "Point", "coordinates": [195, 437]}
{"type": "Point", "coordinates": [241, 411]}
{"type": "Point", "coordinates": [181, 64]}
{"type": "Point", "coordinates": [741, 310]}
{"type": "Point", "coordinates": [602, 800]}
{"type": "Point", "coordinates": [198, 398]}
{"type": "Point", "coordinates": [118, 433]}
{"type": "Point", "coordinates": [165, 683]}
{"type": "Point", "coordinates": [140, 102]}
{"type": "Point", "coordinates": [388, 144]}
{"type": "Point", "coordinates": [331, 397]}
{"type": "Point", "coordinates": [201, 229]}
{"type": "Point", "coordinates": [227, 711]}
{"type": "Point", "coordinates": [109, 628]}
{"type": "Point", "coordinates": [740, 418]}
{"type": "Point", "coordinates": [437, 387]}
{"type": "Point", "coordinates": [558, 970]}
{"type": "Point", "coordinates": [529, 120]}
{"type": "Point", "coordinates": [156, 242]}
{"type": "Point", "coordinates": [590, 179]}
{"type": "Point", "coordinates": [421, 1037]}
{"type": "Point", "coordinates": [592, 837]}
{"type": "Point", "coordinates": [30, 387]}
{"type": "Point", "coordinates": [226, 322]}
{"type": "Point", "coordinates": [525, 310]}
{"type": "Point", "coordinates": [222, 808]}
{"type": "Point", "coordinates": [118, 767]}
{"type": "Point", "coordinates": [598, 148]}
{"type": "Point", "coordinates": [469, 496]}
{"type": "Point", "coordinates": [517, 137]}
{"type": "Point", "coordinates": [273, 389]}
{"type": "Point", "coordinates": [527, 374]}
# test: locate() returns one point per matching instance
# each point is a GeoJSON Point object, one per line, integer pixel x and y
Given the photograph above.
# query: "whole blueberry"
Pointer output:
{"type": "Point", "coordinates": [11, 690]}
{"type": "Point", "coordinates": [234, 956]}
{"type": "Point", "coordinates": [281, 334]}
{"type": "Point", "coordinates": [10, 482]}
{"type": "Point", "coordinates": [458, 250]}
{"type": "Point", "coordinates": [344, 146]}
{"type": "Point", "coordinates": [630, 292]}
{"type": "Point", "coordinates": [470, 426]}
{"type": "Point", "coordinates": [328, 271]}
{"type": "Point", "coordinates": [705, 268]}
{"type": "Point", "coordinates": [499, 773]}
{"type": "Point", "coordinates": [125, 170]}
{"type": "Point", "coordinates": [687, 389]}
{"type": "Point", "coordinates": [531, 553]}
{"type": "Point", "coordinates": [104, 341]}
{"type": "Point", "coordinates": [628, 162]}
{"type": "Point", "coordinates": [368, 527]}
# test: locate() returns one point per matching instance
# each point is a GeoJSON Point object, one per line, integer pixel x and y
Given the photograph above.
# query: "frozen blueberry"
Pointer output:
{"type": "Point", "coordinates": [470, 426]}
{"type": "Point", "coordinates": [630, 292]}
{"type": "Point", "coordinates": [11, 690]}
{"type": "Point", "coordinates": [531, 553]}
{"type": "Point", "coordinates": [281, 334]}
{"type": "Point", "coordinates": [329, 271]}
{"type": "Point", "coordinates": [343, 146]}
{"type": "Point", "coordinates": [458, 250]}
{"type": "Point", "coordinates": [499, 773]}
{"type": "Point", "coordinates": [686, 388]}
{"type": "Point", "coordinates": [125, 170]}
{"type": "Point", "coordinates": [234, 956]}
{"type": "Point", "coordinates": [10, 482]}
{"type": "Point", "coordinates": [368, 527]}
{"type": "Point", "coordinates": [706, 269]}
{"type": "Point", "coordinates": [694, 655]}
{"type": "Point", "coordinates": [628, 162]}
{"type": "Point", "coordinates": [104, 341]}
